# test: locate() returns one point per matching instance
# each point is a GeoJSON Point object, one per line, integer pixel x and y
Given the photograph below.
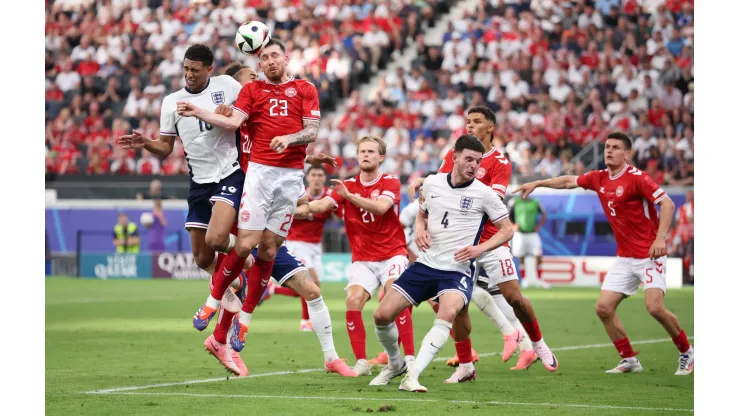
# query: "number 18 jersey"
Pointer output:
{"type": "Point", "coordinates": [373, 237]}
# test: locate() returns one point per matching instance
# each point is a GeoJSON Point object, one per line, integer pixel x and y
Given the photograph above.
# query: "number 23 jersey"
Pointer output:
{"type": "Point", "coordinates": [373, 237]}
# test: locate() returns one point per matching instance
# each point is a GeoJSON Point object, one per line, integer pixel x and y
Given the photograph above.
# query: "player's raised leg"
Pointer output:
{"type": "Point", "coordinates": [654, 301]}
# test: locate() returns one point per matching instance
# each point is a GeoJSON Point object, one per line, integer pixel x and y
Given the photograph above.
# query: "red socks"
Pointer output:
{"type": "Point", "coordinates": [227, 271]}
{"type": "Point", "coordinates": [304, 311]}
{"type": "Point", "coordinates": [682, 343]}
{"type": "Point", "coordinates": [356, 330]}
{"type": "Point", "coordinates": [406, 331]}
{"type": "Point", "coordinates": [624, 348]}
{"type": "Point", "coordinates": [257, 279]}
{"type": "Point", "coordinates": [464, 351]}
{"type": "Point", "coordinates": [533, 330]}
{"type": "Point", "coordinates": [222, 326]}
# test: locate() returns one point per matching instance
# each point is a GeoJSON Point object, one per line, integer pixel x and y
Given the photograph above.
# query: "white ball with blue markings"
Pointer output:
{"type": "Point", "coordinates": [251, 37]}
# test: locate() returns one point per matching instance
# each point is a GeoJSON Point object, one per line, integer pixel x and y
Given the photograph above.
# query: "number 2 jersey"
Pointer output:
{"type": "Point", "coordinates": [211, 152]}
{"type": "Point", "coordinates": [455, 217]}
{"type": "Point", "coordinates": [628, 200]}
{"type": "Point", "coordinates": [373, 237]}
{"type": "Point", "coordinates": [277, 110]}
{"type": "Point", "coordinates": [494, 171]}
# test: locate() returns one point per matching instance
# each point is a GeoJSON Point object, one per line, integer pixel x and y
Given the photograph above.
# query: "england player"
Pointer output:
{"type": "Point", "coordinates": [628, 198]}
{"type": "Point", "coordinates": [282, 116]}
{"type": "Point", "coordinates": [495, 171]}
{"type": "Point", "coordinates": [527, 242]}
{"type": "Point", "coordinates": [304, 238]}
{"type": "Point", "coordinates": [295, 282]}
{"type": "Point", "coordinates": [447, 233]}
{"type": "Point", "coordinates": [376, 239]}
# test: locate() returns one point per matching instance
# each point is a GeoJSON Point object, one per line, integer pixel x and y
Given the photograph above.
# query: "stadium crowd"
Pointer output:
{"type": "Point", "coordinates": [558, 74]}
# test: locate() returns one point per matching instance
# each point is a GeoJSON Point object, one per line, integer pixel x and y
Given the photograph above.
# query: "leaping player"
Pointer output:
{"type": "Point", "coordinates": [447, 234]}
{"type": "Point", "coordinates": [377, 242]}
{"type": "Point", "coordinates": [628, 198]}
{"type": "Point", "coordinates": [282, 116]}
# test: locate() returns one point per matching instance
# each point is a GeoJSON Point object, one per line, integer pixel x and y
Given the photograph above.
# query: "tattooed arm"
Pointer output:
{"type": "Point", "coordinates": [307, 135]}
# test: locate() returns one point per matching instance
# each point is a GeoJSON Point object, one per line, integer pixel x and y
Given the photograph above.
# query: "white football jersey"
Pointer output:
{"type": "Point", "coordinates": [456, 216]}
{"type": "Point", "coordinates": [408, 220]}
{"type": "Point", "coordinates": [212, 152]}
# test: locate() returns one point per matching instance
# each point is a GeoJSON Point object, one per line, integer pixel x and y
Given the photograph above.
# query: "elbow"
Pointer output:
{"type": "Point", "coordinates": [668, 204]}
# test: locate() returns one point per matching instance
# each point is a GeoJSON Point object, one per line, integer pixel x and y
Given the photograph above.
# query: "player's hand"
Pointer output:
{"type": "Point", "coordinates": [423, 241]}
{"type": "Point", "coordinates": [302, 213]}
{"type": "Point", "coordinates": [657, 250]}
{"type": "Point", "coordinates": [279, 144]}
{"type": "Point", "coordinates": [340, 188]}
{"type": "Point", "coordinates": [224, 110]}
{"type": "Point", "coordinates": [526, 189]}
{"type": "Point", "coordinates": [468, 253]}
{"type": "Point", "coordinates": [186, 109]}
{"type": "Point", "coordinates": [321, 158]}
{"type": "Point", "coordinates": [132, 141]}
{"type": "Point", "coordinates": [414, 188]}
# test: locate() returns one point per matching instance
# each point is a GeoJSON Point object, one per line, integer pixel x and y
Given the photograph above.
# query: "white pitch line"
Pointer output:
{"type": "Point", "coordinates": [402, 399]}
{"type": "Point", "coordinates": [312, 370]}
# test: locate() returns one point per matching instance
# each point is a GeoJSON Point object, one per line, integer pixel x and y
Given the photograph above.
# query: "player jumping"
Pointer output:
{"type": "Point", "coordinates": [447, 233]}
{"type": "Point", "coordinates": [377, 242]}
{"type": "Point", "coordinates": [628, 198]}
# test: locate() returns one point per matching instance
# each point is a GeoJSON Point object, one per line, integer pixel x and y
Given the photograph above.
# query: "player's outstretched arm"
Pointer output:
{"type": "Point", "coordinates": [233, 122]}
{"type": "Point", "coordinates": [319, 159]}
{"type": "Point", "coordinates": [379, 207]}
{"type": "Point", "coordinates": [561, 182]}
{"type": "Point", "coordinates": [302, 211]}
{"type": "Point", "coordinates": [322, 205]}
{"type": "Point", "coordinates": [667, 208]}
{"type": "Point", "coordinates": [162, 147]}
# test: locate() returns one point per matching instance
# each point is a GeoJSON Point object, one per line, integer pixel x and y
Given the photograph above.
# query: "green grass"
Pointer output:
{"type": "Point", "coordinates": [111, 334]}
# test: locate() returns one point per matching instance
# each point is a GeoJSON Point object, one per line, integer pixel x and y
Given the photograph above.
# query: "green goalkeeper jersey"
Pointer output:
{"type": "Point", "coordinates": [525, 214]}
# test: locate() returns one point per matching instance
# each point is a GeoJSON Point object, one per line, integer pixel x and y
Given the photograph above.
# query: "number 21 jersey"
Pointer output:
{"type": "Point", "coordinates": [373, 237]}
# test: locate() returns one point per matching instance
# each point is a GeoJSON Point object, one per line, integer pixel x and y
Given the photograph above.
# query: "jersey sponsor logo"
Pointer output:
{"type": "Point", "coordinates": [374, 195]}
{"type": "Point", "coordinates": [466, 203]}
{"type": "Point", "coordinates": [620, 191]}
{"type": "Point", "coordinates": [245, 216]}
{"type": "Point", "coordinates": [480, 173]}
{"type": "Point", "coordinates": [291, 92]}
{"type": "Point", "coordinates": [218, 97]}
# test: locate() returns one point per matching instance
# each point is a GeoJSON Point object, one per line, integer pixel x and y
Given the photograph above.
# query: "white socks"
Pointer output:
{"type": "Point", "coordinates": [388, 338]}
{"type": "Point", "coordinates": [434, 340]}
{"type": "Point", "coordinates": [484, 301]}
{"type": "Point", "coordinates": [321, 322]}
{"type": "Point", "coordinates": [525, 344]}
{"type": "Point", "coordinates": [212, 302]}
{"type": "Point", "coordinates": [245, 318]}
{"type": "Point", "coordinates": [212, 268]}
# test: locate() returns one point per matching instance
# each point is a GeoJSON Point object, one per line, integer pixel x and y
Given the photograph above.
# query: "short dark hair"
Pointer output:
{"type": "Point", "coordinates": [273, 41]}
{"type": "Point", "coordinates": [487, 113]}
{"type": "Point", "coordinates": [468, 141]}
{"type": "Point", "coordinates": [201, 53]}
{"type": "Point", "coordinates": [621, 137]}
{"type": "Point", "coordinates": [234, 69]}
{"type": "Point", "coordinates": [312, 168]}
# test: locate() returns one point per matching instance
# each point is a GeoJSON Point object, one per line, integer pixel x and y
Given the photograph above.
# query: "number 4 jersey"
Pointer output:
{"type": "Point", "coordinates": [373, 237]}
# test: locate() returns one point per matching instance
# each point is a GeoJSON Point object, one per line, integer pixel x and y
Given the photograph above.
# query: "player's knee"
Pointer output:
{"type": "Point", "coordinates": [382, 317]}
{"type": "Point", "coordinates": [516, 301]}
{"type": "Point", "coordinates": [655, 309]}
{"type": "Point", "coordinates": [218, 241]}
{"type": "Point", "coordinates": [310, 291]}
{"type": "Point", "coordinates": [355, 302]}
{"type": "Point", "coordinates": [203, 258]}
{"type": "Point", "coordinates": [267, 252]}
{"type": "Point", "coordinates": [604, 311]}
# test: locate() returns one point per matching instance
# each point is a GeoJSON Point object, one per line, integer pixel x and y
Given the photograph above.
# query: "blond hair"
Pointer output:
{"type": "Point", "coordinates": [376, 139]}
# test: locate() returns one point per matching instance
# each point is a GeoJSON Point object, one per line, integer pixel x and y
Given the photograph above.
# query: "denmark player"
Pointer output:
{"type": "Point", "coordinates": [287, 270]}
{"type": "Point", "coordinates": [495, 171]}
{"type": "Point", "coordinates": [282, 116]}
{"type": "Point", "coordinates": [377, 242]}
{"type": "Point", "coordinates": [447, 234]}
{"type": "Point", "coordinates": [304, 238]}
{"type": "Point", "coordinates": [628, 198]}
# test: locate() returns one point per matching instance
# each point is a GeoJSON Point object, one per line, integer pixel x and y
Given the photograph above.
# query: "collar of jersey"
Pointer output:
{"type": "Point", "coordinates": [189, 91]}
{"type": "Point", "coordinates": [626, 166]}
{"type": "Point", "coordinates": [462, 185]}
{"type": "Point", "coordinates": [273, 83]}
{"type": "Point", "coordinates": [373, 182]}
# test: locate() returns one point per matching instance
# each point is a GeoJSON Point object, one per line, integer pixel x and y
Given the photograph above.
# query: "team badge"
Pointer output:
{"type": "Point", "coordinates": [245, 216]}
{"type": "Point", "coordinates": [620, 191]}
{"type": "Point", "coordinates": [218, 97]}
{"type": "Point", "coordinates": [480, 173]}
{"type": "Point", "coordinates": [466, 203]}
{"type": "Point", "coordinates": [374, 195]}
{"type": "Point", "coordinates": [290, 92]}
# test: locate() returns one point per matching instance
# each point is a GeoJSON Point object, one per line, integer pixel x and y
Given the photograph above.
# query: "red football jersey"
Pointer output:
{"type": "Point", "coordinates": [310, 230]}
{"type": "Point", "coordinates": [246, 147]}
{"type": "Point", "coordinates": [494, 171]}
{"type": "Point", "coordinates": [277, 110]}
{"type": "Point", "coordinates": [628, 200]}
{"type": "Point", "coordinates": [371, 237]}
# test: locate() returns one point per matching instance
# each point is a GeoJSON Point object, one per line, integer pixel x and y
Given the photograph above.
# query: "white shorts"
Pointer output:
{"type": "Point", "coordinates": [494, 267]}
{"type": "Point", "coordinates": [308, 253]}
{"type": "Point", "coordinates": [269, 198]}
{"type": "Point", "coordinates": [526, 244]}
{"type": "Point", "coordinates": [373, 274]}
{"type": "Point", "coordinates": [626, 274]}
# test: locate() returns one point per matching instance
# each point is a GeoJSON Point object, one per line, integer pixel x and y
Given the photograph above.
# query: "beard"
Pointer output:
{"type": "Point", "coordinates": [275, 76]}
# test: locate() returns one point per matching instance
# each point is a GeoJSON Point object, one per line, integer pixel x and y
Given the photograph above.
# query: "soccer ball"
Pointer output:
{"type": "Point", "coordinates": [251, 36]}
{"type": "Point", "coordinates": [146, 219]}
